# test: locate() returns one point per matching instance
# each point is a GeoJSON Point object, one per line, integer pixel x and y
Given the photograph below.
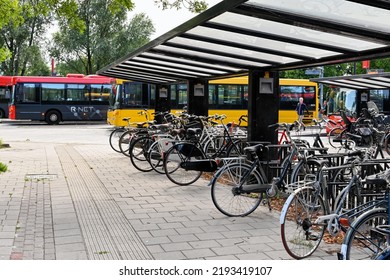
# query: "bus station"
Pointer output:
{"type": "Point", "coordinates": [83, 201]}
{"type": "Point", "coordinates": [258, 39]}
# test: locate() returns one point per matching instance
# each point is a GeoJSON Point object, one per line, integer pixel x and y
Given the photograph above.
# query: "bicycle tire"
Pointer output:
{"type": "Point", "coordinates": [125, 142]}
{"type": "Point", "coordinates": [387, 144]}
{"type": "Point", "coordinates": [302, 168]}
{"type": "Point", "coordinates": [236, 148]}
{"type": "Point", "coordinates": [138, 153]}
{"type": "Point", "coordinates": [299, 237]}
{"type": "Point", "coordinates": [156, 154]}
{"type": "Point", "coordinates": [114, 138]}
{"type": "Point", "coordinates": [178, 153]}
{"type": "Point", "coordinates": [336, 134]}
{"type": "Point", "coordinates": [355, 247]}
{"type": "Point", "coordinates": [224, 192]}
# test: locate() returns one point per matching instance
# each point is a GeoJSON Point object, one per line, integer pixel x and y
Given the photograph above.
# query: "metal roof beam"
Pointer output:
{"type": "Point", "coordinates": [162, 74]}
{"type": "Point", "coordinates": [202, 59]}
{"type": "Point", "coordinates": [219, 53]}
{"type": "Point", "coordinates": [189, 63]}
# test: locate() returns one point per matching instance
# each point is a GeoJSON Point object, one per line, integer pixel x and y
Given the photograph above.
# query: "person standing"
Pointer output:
{"type": "Point", "coordinates": [301, 109]}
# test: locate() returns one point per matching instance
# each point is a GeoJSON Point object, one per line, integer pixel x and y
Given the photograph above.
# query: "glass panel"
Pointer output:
{"type": "Point", "coordinates": [370, 81]}
{"type": "Point", "coordinates": [289, 97]}
{"type": "Point", "coordinates": [178, 65]}
{"type": "Point", "coordinates": [262, 42]}
{"type": "Point", "coordinates": [77, 92]}
{"type": "Point", "coordinates": [352, 82]}
{"type": "Point", "coordinates": [182, 94]}
{"type": "Point", "coordinates": [53, 92]}
{"type": "Point", "coordinates": [27, 93]}
{"type": "Point", "coordinates": [139, 75]}
{"type": "Point", "coordinates": [342, 99]}
{"type": "Point", "coordinates": [339, 11]}
{"type": "Point", "coordinates": [210, 56]}
{"type": "Point", "coordinates": [144, 66]}
{"type": "Point", "coordinates": [5, 94]}
{"type": "Point", "coordinates": [237, 51]}
{"type": "Point", "coordinates": [286, 30]}
{"type": "Point", "coordinates": [212, 94]}
{"type": "Point", "coordinates": [100, 93]}
{"type": "Point", "coordinates": [132, 96]}
{"type": "Point", "coordinates": [183, 61]}
{"type": "Point", "coordinates": [377, 97]}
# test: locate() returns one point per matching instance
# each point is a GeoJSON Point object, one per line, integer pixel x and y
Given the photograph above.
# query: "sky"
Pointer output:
{"type": "Point", "coordinates": [164, 20]}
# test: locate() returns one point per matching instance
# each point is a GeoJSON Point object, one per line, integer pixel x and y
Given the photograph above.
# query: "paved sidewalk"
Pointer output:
{"type": "Point", "coordinates": [85, 201]}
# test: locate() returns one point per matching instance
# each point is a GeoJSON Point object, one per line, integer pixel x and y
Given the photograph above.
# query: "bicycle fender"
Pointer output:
{"type": "Point", "coordinates": [287, 203]}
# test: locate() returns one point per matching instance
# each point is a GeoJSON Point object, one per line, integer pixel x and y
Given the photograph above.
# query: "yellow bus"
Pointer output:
{"type": "Point", "coordinates": [226, 96]}
{"type": "Point", "coordinates": [230, 97]}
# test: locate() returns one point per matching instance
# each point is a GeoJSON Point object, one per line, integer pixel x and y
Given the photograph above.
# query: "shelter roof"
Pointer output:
{"type": "Point", "coordinates": [366, 81]}
{"type": "Point", "coordinates": [235, 36]}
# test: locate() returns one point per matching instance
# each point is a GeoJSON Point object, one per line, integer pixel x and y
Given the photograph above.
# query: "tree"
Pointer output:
{"type": "Point", "coordinates": [195, 6]}
{"type": "Point", "coordinates": [22, 36]}
{"type": "Point", "coordinates": [104, 37]}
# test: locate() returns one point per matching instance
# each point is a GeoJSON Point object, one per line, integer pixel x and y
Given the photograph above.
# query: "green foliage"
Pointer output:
{"type": "Point", "coordinates": [194, 6]}
{"type": "Point", "coordinates": [106, 37]}
{"type": "Point", "coordinates": [20, 37]}
{"type": "Point", "coordinates": [3, 167]}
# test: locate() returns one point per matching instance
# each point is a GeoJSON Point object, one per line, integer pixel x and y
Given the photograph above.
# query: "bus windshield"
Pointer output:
{"type": "Point", "coordinates": [342, 99]}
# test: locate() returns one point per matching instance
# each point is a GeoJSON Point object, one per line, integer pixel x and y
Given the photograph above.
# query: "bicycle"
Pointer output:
{"type": "Point", "coordinates": [237, 189]}
{"type": "Point", "coordinates": [185, 161]}
{"type": "Point", "coordinates": [368, 235]}
{"type": "Point", "coordinates": [307, 212]}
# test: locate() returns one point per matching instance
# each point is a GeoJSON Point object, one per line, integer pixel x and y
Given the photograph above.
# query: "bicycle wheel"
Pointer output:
{"type": "Point", "coordinates": [335, 137]}
{"type": "Point", "coordinates": [138, 153]}
{"type": "Point", "coordinates": [226, 194]}
{"type": "Point", "coordinates": [114, 138]}
{"type": "Point", "coordinates": [303, 168]}
{"type": "Point", "coordinates": [156, 154]}
{"type": "Point", "coordinates": [125, 141]}
{"type": "Point", "coordinates": [236, 149]}
{"type": "Point", "coordinates": [300, 235]}
{"type": "Point", "coordinates": [387, 143]}
{"type": "Point", "coordinates": [175, 157]}
{"type": "Point", "coordinates": [358, 243]}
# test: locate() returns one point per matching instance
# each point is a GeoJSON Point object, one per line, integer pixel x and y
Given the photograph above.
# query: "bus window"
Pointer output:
{"type": "Point", "coordinates": [100, 93]}
{"type": "Point", "coordinates": [53, 92]}
{"type": "Point", "coordinates": [28, 93]}
{"type": "Point", "coordinates": [289, 97]}
{"type": "Point", "coordinates": [77, 93]}
{"type": "Point", "coordinates": [342, 99]}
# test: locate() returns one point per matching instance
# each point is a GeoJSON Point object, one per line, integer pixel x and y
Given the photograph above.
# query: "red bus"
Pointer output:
{"type": "Point", "coordinates": [55, 99]}
{"type": "Point", "coordinates": [5, 95]}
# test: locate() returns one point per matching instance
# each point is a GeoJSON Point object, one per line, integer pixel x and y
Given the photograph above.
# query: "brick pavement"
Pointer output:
{"type": "Point", "coordinates": [84, 201]}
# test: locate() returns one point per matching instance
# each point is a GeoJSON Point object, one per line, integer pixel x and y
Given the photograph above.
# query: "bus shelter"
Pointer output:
{"type": "Point", "coordinates": [257, 38]}
{"type": "Point", "coordinates": [353, 92]}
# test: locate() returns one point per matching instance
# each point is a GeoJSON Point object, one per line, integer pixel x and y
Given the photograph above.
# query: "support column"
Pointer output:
{"type": "Point", "coordinates": [162, 100]}
{"type": "Point", "coordinates": [198, 97]}
{"type": "Point", "coordinates": [263, 105]}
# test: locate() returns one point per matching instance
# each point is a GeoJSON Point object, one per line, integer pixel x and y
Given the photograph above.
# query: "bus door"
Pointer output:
{"type": "Point", "coordinates": [27, 96]}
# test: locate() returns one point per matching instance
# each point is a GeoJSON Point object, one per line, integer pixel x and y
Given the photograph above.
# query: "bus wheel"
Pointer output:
{"type": "Point", "coordinates": [53, 117]}
{"type": "Point", "coordinates": [2, 114]}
